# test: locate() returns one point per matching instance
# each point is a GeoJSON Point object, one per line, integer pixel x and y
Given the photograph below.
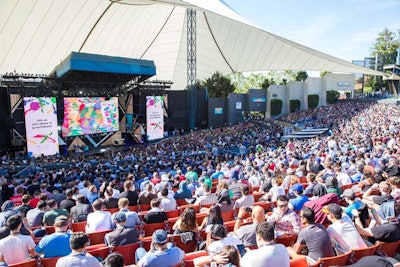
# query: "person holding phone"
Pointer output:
{"type": "Point", "coordinates": [247, 233]}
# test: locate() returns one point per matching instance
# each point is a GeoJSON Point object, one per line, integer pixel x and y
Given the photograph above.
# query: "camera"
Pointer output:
{"type": "Point", "coordinates": [248, 209]}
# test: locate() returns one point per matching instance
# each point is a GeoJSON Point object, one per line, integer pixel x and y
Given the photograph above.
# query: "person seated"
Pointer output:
{"type": "Point", "coordinates": [286, 220]}
{"type": "Point", "coordinates": [214, 217]}
{"type": "Point", "coordinates": [218, 238]}
{"type": "Point", "coordinates": [342, 230]}
{"type": "Point", "coordinates": [187, 222]}
{"type": "Point", "coordinates": [229, 257]}
{"type": "Point", "coordinates": [56, 244]}
{"type": "Point", "coordinates": [268, 252]}
{"type": "Point", "coordinates": [183, 191]}
{"type": "Point", "coordinates": [383, 231]}
{"type": "Point", "coordinates": [247, 233]}
{"type": "Point", "coordinates": [99, 219]}
{"type": "Point", "coordinates": [167, 203]}
{"type": "Point", "coordinates": [208, 198]}
{"type": "Point", "coordinates": [16, 248]}
{"type": "Point", "coordinates": [246, 200]}
{"type": "Point", "coordinates": [224, 201]}
{"type": "Point", "coordinates": [80, 212]}
{"type": "Point", "coordinates": [50, 216]}
{"type": "Point", "coordinates": [298, 201]}
{"type": "Point", "coordinates": [313, 237]}
{"type": "Point", "coordinates": [132, 218]}
{"type": "Point", "coordinates": [161, 252]}
{"type": "Point", "coordinates": [353, 203]}
{"type": "Point", "coordinates": [155, 214]}
{"type": "Point", "coordinates": [122, 235]}
{"type": "Point", "coordinates": [115, 259]}
{"type": "Point", "coordinates": [78, 256]}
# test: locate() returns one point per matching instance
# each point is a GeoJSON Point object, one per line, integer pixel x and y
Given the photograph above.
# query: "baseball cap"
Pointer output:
{"type": "Point", "coordinates": [160, 236]}
{"type": "Point", "coordinates": [334, 209]}
{"type": "Point", "coordinates": [120, 217]}
{"type": "Point", "coordinates": [297, 187]}
{"type": "Point", "coordinates": [348, 193]}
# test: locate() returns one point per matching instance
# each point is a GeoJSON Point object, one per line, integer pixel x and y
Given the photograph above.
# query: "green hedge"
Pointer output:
{"type": "Point", "coordinates": [276, 107]}
{"type": "Point", "coordinates": [294, 105]}
{"type": "Point", "coordinates": [313, 101]}
{"type": "Point", "coordinates": [332, 96]}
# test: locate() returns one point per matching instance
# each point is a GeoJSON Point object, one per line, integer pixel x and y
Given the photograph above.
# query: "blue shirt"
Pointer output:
{"type": "Point", "coordinates": [298, 202]}
{"type": "Point", "coordinates": [168, 257]}
{"type": "Point", "coordinates": [356, 205]}
{"type": "Point", "coordinates": [54, 245]}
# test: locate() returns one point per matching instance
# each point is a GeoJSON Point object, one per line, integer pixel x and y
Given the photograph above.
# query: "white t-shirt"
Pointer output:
{"type": "Point", "coordinates": [168, 204]}
{"type": "Point", "coordinates": [217, 246]}
{"type": "Point", "coordinates": [15, 248]}
{"type": "Point", "coordinates": [345, 234]}
{"type": "Point", "coordinates": [98, 221]}
{"type": "Point", "coordinates": [266, 256]}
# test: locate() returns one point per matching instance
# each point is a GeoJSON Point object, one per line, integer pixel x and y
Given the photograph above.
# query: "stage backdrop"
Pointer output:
{"type": "Point", "coordinates": [155, 117]}
{"type": "Point", "coordinates": [90, 115]}
{"type": "Point", "coordinates": [41, 125]}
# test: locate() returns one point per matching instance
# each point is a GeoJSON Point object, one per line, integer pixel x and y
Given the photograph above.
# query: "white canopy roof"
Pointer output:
{"type": "Point", "coordinates": [35, 36]}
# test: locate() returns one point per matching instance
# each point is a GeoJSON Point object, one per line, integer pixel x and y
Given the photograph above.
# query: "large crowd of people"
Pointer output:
{"type": "Point", "coordinates": [333, 193]}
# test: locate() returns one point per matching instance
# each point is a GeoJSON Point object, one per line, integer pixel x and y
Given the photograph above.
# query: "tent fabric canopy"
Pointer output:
{"type": "Point", "coordinates": [35, 36]}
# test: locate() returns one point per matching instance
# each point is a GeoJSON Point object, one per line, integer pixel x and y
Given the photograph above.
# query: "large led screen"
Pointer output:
{"type": "Point", "coordinates": [154, 117]}
{"type": "Point", "coordinates": [90, 115]}
{"type": "Point", "coordinates": [41, 125]}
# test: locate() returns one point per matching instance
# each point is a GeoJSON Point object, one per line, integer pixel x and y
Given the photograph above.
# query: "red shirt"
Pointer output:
{"type": "Point", "coordinates": [34, 202]}
{"type": "Point", "coordinates": [17, 200]}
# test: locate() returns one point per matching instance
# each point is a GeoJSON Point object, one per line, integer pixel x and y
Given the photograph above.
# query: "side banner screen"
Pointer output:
{"type": "Point", "coordinates": [154, 117]}
{"type": "Point", "coordinates": [41, 125]}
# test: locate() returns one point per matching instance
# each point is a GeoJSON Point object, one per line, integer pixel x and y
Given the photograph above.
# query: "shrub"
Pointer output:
{"type": "Point", "coordinates": [332, 96]}
{"type": "Point", "coordinates": [313, 101]}
{"type": "Point", "coordinates": [294, 105]}
{"type": "Point", "coordinates": [276, 106]}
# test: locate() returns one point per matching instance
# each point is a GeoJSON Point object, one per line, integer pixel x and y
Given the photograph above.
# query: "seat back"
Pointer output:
{"type": "Point", "coordinates": [179, 264]}
{"type": "Point", "coordinates": [79, 226]}
{"type": "Point", "coordinates": [172, 213]}
{"type": "Point", "coordinates": [299, 262]}
{"type": "Point", "coordinates": [101, 252]}
{"type": "Point", "coordinates": [188, 246]}
{"type": "Point", "coordinates": [128, 251]}
{"type": "Point", "coordinates": [49, 262]}
{"type": "Point", "coordinates": [228, 216]}
{"type": "Point", "coordinates": [30, 263]}
{"type": "Point", "coordinates": [150, 228]}
{"type": "Point", "coordinates": [189, 257]}
{"type": "Point", "coordinates": [97, 237]}
{"type": "Point", "coordinates": [200, 217]}
{"type": "Point", "coordinates": [362, 252]}
{"type": "Point", "coordinates": [389, 248]}
{"type": "Point", "coordinates": [286, 240]}
{"type": "Point", "coordinates": [340, 260]}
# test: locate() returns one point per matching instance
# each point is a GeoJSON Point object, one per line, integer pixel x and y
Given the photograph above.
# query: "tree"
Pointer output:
{"type": "Point", "coordinates": [385, 48]}
{"type": "Point", "coordinates": [323, 73]}
{"type": "Point", "coordinates": [301, 75]}
{"type": "Point", "coordinates": [218, 85]}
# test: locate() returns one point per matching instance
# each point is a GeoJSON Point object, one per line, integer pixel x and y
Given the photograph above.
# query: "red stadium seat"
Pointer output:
{"type": "Point", "coordinates": [189, 257]}
{"type": "Point", "coordinates": [299, 262]}
{"type": "Point", "coordinates": [128, 251]}
{"type": "Point", "coordinates": [340, 260]}
{"type": "Point", "coordinates": [79, 226]}
{"type": "Point", "coordinates": [49, 262]}
{"type": "Point", "coordinates": [389, 248]}
{"type": "Point", "coordinates": [97, 237]}
{"type": "Point", "coordinates": [30, 263]}
{"type": "Point", "coordinates": [149, 228]}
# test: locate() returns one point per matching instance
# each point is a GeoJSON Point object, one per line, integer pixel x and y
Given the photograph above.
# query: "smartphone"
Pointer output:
{"type": "Point", "coordinates": [248, 209]}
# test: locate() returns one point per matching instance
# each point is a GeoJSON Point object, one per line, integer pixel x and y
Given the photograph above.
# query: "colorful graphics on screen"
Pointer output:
{"type": "Point", "coordinates": [41, 125]}
{"type": "Point", "coordinates": [90, 115]}
{"type": "Point", "coordinates": [155, 117]}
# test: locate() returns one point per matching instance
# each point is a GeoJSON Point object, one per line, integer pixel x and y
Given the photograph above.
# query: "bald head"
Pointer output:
{"type": "Point", "coordinates": [258, 214]}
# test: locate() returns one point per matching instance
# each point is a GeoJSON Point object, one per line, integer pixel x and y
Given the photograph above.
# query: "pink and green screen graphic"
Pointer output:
{"type": "Point", "coordinates": [41, 125]}
{"type": "Point", "coordinates": [90, 115]}
{"type": "Point", "coordinates": [155, 117]}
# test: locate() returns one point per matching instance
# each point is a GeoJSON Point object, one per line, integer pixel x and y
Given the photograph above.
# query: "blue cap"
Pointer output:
{"type": "Point", "coordinates": [160, 236]}
{"type": "Point", "coordinates": [297, 187]}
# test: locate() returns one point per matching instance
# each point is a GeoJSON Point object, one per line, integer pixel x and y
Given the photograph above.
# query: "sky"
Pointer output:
{"type": "Point", "coordinates": [346, 29]}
